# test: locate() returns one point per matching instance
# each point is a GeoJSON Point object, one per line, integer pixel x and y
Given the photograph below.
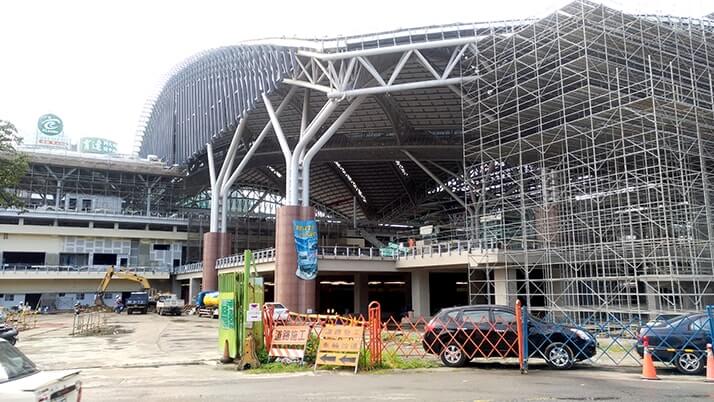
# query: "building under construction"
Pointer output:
{"type": "Point", "coordinates": [566, 161]}
{"type": "Point", "coordinates": [588, 141]}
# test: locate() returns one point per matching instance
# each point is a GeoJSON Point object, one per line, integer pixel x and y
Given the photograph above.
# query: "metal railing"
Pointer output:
{"type": "Point", "coordinates": [456, 247]}
{"type": "Point", "coordinates": [188, 268]}
{"type": "Point", "coordinates": [61, 212]}
{"type": "Point", "coordinates": [12, 268]}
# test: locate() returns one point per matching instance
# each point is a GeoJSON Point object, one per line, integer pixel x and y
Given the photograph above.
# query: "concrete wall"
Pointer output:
{"type": "Point", "coordinates": [35, 243]}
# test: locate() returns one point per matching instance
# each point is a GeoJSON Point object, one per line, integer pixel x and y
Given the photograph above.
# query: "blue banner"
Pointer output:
{"type": "Point", "coordinates": [306, 245]}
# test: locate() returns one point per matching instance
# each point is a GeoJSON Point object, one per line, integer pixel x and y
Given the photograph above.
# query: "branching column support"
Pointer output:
{"type": "Point", "coordinates": [222, 182]}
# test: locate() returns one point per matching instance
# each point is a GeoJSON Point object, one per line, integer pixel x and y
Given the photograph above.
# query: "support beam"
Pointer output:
{"type": "Point", "coordinates": [436, 179]}
{"type": "Point", "coordinates": [320, 143]}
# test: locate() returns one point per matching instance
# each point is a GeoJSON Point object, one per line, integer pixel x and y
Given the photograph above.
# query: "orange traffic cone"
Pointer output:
{"type": "Point", "coordinates": [226, 358]}
{"type": "Point", "coordinates": [648, 368]}
{"type": "Point", "coordinates": [710, 363]}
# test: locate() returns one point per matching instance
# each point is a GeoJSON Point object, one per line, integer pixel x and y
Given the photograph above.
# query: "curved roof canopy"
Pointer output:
{"type": "Point", "coordinates": [412, 79]}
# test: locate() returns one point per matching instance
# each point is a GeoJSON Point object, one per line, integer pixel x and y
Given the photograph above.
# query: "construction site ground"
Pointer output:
{"type": "Point", "coordinates": [153, 358]}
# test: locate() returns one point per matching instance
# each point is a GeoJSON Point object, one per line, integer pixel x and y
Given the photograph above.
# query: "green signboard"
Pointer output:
{"type": "Point", "coordinates": [50, 124]}
{"type": "Point", "coordinates": [95, 145]}
{"type": "Point", "coordinates": [227, 314]}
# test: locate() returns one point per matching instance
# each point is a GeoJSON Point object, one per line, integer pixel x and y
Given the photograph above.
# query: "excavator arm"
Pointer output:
{"type": "Point", "coordinates": [118, 274]}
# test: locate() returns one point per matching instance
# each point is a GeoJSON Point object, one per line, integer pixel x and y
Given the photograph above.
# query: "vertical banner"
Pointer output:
{"type": "Point", "coordinates": [306, 245]}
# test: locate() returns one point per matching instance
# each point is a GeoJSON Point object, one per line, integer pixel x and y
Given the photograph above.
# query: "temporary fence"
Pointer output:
{"type": "Point", "coordinates": [605, 339]}
{"type": "Point", "coordinates": [515, 336]}
{"type": "Point", "coordinates": [88, 323]}
{"type": "Point", "coordinates": [22, 319]}
{"type": "Point", "coordinates": [315, 322]}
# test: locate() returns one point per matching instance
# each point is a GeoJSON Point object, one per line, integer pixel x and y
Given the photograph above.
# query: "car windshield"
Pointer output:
{"type": "Point", "coordinates": [13, 364]}
{"type": "Point", "coordinates": [278, 305]}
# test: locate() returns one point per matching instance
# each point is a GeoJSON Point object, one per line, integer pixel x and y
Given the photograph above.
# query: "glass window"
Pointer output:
{"type": "Point", "coordinates": [504, 317]}
{"type": "Point", "coordinates": [475, 316]}
{"type": "Point", "coordinates": [9, 297]}
{"type": "Point", "coordinates": [448, 316]}
{"type": "Point", "coordinates": [13, 364]}
{"type": "Point", "coordinates": [80, 296]}
{"type": "Point", "coordinates": [700, 324]}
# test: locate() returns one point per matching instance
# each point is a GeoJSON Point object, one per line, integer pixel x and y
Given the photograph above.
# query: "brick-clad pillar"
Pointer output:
{"type": "Point", "coordinates": [296, 294]}
{"type": "Point", "coordinates": [215, 245]}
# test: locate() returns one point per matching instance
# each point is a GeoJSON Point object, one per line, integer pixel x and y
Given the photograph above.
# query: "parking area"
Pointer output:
{"type": "Point", "coordinates": [175, 359]}
{"type": "Point", "coordinates": [129, 341]}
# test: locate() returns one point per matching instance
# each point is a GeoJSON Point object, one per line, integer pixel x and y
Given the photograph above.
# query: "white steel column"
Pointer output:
{"type": "Point", "coordinates": [320, 143]}
{"type": "Point", "coordinates": [222, 180]}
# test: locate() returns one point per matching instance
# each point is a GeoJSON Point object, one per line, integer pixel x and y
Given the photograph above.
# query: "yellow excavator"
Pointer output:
{"type": "Point", "coordinates": [113, 273]}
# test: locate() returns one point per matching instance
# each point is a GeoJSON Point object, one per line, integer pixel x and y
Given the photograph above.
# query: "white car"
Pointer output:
{"type": "Point", "coordinates": [280, 312]}
{"type": "Point", "coordinates": [21, 381]}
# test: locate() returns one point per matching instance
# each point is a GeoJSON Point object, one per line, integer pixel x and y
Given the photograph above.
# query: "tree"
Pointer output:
{"type": "Point", "coordinates": [13, 165]}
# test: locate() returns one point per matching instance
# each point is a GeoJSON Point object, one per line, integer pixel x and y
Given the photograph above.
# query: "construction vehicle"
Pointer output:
{"type": "Point", "coordinates": [207, 304]}
{"type": "Point", "coordinates": [113, 273]}
{"type": "Point", "coordinates": [169, 304]}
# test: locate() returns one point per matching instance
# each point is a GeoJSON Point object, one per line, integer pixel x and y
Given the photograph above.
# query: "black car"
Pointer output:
{"type": "Point", "coordinates": [459, 334]}
{"type": "Point", "coordinates": [681, 340]}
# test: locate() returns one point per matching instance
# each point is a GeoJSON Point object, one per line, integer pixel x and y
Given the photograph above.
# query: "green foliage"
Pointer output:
{"type": "Point", "coordinates": [263, 357]}
{"type": "Point", "coordinates": [391, 360]}
{"type": "Point", "coordinates": [311, 348]}
{"type": "Point", "coordinates": [13, 165]}
{"type": "Point", "coordinates": [277, 367]}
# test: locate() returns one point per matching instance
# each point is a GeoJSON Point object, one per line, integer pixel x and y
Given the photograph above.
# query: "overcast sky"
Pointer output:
{"type": "Point", "coordinates": [94, 63]}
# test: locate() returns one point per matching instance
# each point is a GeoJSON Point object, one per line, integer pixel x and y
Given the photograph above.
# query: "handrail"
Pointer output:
{"type": "Point", "coordinates": [438, 250]}
{"type": "Point", "coordinates": [78, 268]}
{"type": "Point", "coordinates": [188, 268]}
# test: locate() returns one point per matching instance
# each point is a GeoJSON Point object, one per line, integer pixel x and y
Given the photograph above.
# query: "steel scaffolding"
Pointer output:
{"type": "Point", "coordinates": [589, 149]}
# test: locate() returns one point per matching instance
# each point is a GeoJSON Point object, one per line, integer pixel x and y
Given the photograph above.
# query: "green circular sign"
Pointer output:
{"type": "Point", "coordinates": [50, 124]}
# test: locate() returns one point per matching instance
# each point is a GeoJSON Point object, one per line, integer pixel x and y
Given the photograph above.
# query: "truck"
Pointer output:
{"type": "Point", "coordinates": [169, 304]}
{"type": "Point", "coordinates": [137, 301]}
{"type": "Point", "coordinates": [207, 304]}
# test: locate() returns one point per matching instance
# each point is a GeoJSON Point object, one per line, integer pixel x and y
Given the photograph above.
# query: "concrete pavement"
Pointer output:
{"type": "Point", "coordinates": [210, 383]}
{"type": "Point", "coordinates": [152, 358]}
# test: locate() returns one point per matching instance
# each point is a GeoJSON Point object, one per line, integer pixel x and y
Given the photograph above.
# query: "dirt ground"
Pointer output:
{"type": "Point", "coordinates": [133, 341]}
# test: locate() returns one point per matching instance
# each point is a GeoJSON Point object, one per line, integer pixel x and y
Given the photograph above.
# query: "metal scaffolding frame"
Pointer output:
{"type": "Point", "coordinates": [589, 146]}
{"type": "Point", "coordinates": [142, 188]}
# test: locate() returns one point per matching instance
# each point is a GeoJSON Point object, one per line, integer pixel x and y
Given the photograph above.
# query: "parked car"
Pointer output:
{"type": "Point", "coordinates": [21, 381]}
{"type": "Point", "coordinates": [459, 334]}
{"type": "Point", "coordinates": [280, 312]}
{"type": "Point", "coordinates": [681, 340]}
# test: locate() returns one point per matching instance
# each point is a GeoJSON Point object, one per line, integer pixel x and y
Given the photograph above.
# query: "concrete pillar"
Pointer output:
{"type": "Point", "coordinates": [420, 293]}
{"type": "Point", "coordinates": [215, 245]}
{"type": "Point", "coordinates": [505, 286]}
{"type": "Point", "coordinates": [361, 293]}
{"type": "Point", "coordinates": [194, 286]}
{"type": "Point", "coordinates": [294, 293]}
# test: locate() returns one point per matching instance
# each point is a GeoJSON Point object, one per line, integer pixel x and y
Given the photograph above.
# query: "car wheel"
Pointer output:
{"type": "Point", "coordinates": [689, 363]}
{"type": "Point", "coordinates": [559, 356]}
{"type": "Point", "coordinates": [453, 356]}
